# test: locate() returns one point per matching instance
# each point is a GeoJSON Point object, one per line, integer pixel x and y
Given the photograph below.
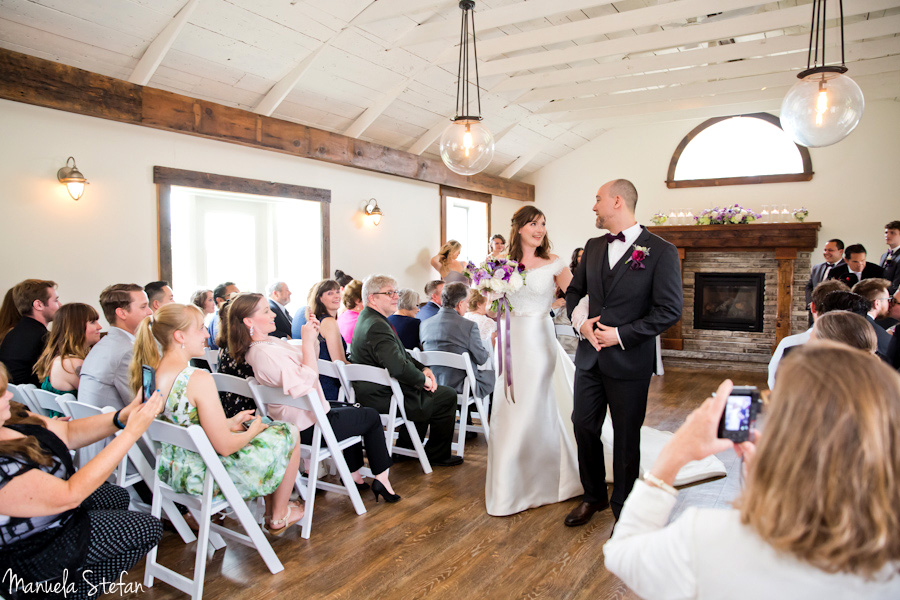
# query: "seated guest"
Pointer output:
{"type": "Point", "coordinates": [846, 328]}
{"type": "Point", "coordinates": [894, 347]}
{"type": "Point", "coordinates": [222, 293]}
{"type": "Point", "coordinates": [203, 299]}
{"type": "Point", "coordinates": [295, 370]}
{"type": "Point", "coordinates": [27, 309]}
{"type": "Point", "coordinates": [300, 316]}
{"type": "Point", "coordinates": [342, 278]}
{"type": "Point", "coordinates": [55, 521]}
{"type": "Point", "coordinates": [104, 374]}
{"type": "Point", "coordinates": [817, 517]}
{"type": "Point", "coordinates": [449, 331]}
{"type": "Point", "coordinates": [426, 402]}
{"type": "Point", "coordinates": [876, 290]}
{"type": "Point", "coordinates": [262, 460]}
{"type": "Point", "coordinates": [890, 260]}
{"type": "Point", "coordinates": [158, 294]}
{"type": "Point", "coordinates": [841, 300]}
{"type": "Point", "coordinates": [433, 291]}
{"type": "Point", "coordinates": [279, 297]}
{"type": "Point", "coordinates": [351, 298]}
{"type": "Point", "coordinates": [324, 301]}
{"type": "Point", "coordinates": [576, 258]}
{"type": "Point", "coordinates": [404, 320]}
{"type": "Point", "coordinates": [232, 404]}
{"type": "Point", "coordinates": [76, 329]}
{"type": "Point", "coordinates": [817, 299]}
{"type": "Point", "coordinates": [477, 311]}
{"type": "Point", "coordinates": [856, 268]}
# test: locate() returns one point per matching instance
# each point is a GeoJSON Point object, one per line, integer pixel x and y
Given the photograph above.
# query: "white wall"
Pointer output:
{"type": "Point", "coordinates": [110, 235]}
{"type": "Point", "coordinates": [854, 191]}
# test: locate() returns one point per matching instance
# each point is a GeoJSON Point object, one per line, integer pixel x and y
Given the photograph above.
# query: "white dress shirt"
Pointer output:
{"type": "Point", "coordinates": [786, 342]}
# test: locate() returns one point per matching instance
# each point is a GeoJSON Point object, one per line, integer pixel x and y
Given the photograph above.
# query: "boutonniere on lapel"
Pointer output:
{"type": "Point", "coordinates": [637, 257]}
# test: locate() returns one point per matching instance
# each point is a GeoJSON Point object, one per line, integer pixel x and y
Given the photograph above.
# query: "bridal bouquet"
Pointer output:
{"type": "Point", "coordinates": [495, 278]}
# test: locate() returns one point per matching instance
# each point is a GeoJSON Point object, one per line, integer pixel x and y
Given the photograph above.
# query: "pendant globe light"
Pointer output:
{"type": "Point", "coordinates": [467, 146]}
{"type": "Point", "coordinates": [825, 105]}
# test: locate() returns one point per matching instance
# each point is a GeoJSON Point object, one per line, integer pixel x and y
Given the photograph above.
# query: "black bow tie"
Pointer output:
{"type": "Point", "coordinates": [619, 236]}
{"type": "Point", "coordinates": [829, 265]}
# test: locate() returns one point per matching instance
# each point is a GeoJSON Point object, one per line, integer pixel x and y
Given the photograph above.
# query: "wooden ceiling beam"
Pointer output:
{"type": "Point", "coordinates": [387, 9]}
{"type": "Point", "coordinates": [429, 137]}
{"type": "Point", "coordinates": [45, 83]}
{"type": "Point", "coordinates": [158, 48]}
{"type": "Point", "coordinates": [706, 32]}
{"type": "Point", "coordinates": [518, 164]}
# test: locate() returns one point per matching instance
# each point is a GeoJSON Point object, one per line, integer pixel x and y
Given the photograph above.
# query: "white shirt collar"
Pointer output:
{"type": "Point", "coordinates": [632, 233]}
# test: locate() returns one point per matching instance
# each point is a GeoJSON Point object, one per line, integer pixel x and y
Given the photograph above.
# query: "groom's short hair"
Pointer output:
{"type": "Point", "coordinates": [626, 189]}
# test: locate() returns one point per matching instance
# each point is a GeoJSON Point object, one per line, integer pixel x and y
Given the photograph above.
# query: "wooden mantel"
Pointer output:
{"type": "Point", "coordinates": [786, 239]}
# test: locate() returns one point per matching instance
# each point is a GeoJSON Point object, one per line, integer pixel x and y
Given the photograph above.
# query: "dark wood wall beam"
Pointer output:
{"type": "Point", "coordinates": [33, 80]}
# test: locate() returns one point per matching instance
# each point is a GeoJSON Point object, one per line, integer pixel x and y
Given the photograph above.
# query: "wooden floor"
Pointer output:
{"type": "Point", "coordinates": [438, 542]}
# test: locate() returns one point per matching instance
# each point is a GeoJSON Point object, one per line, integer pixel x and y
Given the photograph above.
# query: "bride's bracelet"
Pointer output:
{"type": "Point", "coordinates": [656, 482]}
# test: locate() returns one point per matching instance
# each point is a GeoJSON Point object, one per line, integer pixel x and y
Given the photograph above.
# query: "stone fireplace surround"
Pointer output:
{"type": "Point", "coordinates": [780, 251]}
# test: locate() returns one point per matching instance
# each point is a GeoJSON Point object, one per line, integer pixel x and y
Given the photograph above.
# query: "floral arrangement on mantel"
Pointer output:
{"type": "Point", "coordinates": [659, 218]}
{"type": "Point", "coordinates": [800, 214]}
{"type": "Point", "coordinates": [730, 215]}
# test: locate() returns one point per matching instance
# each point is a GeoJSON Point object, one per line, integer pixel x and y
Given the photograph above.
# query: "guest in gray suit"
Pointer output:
{"type": "Point", "coordinates": [833, 254]}
{"type": "Point", "coordinates": [104, 375]}
{"type": "Point", "coordinates": [891, 258]}
{"type": "Point", "coordinates": [450, 331]}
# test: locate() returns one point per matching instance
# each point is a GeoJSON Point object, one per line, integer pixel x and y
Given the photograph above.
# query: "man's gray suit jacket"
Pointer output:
{"type": "Point", "coordinates": [104, 374]}
{"type": "Point", "coordinates": [447, 331]}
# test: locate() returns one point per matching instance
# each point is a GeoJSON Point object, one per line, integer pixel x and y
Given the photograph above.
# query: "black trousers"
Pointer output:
{"type": "Point", "coordinates": [627, 402]}
{"type": "Point", "coordinates": [442, 422]}
{"type": "Point", "coordinates": [347, 421]}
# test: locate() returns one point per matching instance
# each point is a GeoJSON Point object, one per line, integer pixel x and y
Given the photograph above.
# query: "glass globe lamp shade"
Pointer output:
{"type": "Point", "coordinates": [822, 109]}
{"type": "Point", "coordinates": [467, 146]}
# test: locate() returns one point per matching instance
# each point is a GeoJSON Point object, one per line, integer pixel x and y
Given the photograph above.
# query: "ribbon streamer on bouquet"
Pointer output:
{"type": "Point", "coordinates": [504, 345]}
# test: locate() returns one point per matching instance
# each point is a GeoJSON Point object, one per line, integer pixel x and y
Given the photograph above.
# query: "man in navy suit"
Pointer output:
{"type": "Point", "coordinates": [856, 268]}
{"type": "Point", "coordinates": [890, 260]}
{"type": "Point", "coordinates": [279, 297]}
{"type": "Point", "coordinates": [832, 252]}
{"type": "Point", "coordinates": [433, 291]}
{"type": "Point", "coordinates": [633, 282]}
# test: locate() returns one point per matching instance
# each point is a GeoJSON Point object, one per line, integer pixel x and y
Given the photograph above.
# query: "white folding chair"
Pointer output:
{"type": "Point", "coordinates": [240, 386]}
{"type": "Point", "coordinates": [566, 331]}
{"type": "Point", "coordinates": [48, 401]}
{"type": "Point", "coordinates": [141, 471]}
{"type": "Point", "coordinates": [333, 450]}
{"type": "Point", "coordinates": [462, 362]}
{"type": "Point", "coordinates": [212, 358]}
{"type": "Point", "coordinates": [193, 438]}
{"type": "Point", "coordinates": [391, 421]}
{"type": "Point", "coordinates": [330, 369]}
{"type": "Point", "coordinates": [22, 394]}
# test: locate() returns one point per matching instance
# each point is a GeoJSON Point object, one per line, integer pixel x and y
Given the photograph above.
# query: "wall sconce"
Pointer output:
{"type": "Point", "coordinates": [373, 211]}
{"type": "Point", "coordinates": [72, 178]}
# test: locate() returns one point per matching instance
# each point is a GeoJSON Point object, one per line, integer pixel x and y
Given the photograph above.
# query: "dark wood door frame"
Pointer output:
{"type": "Point", "coordinates": [452, 192]}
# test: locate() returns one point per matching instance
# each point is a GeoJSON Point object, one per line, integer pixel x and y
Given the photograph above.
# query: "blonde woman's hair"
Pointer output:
{"type": "Point", "coordinates": [26, 447]}
{"type": "Point", "coordinates": [825, 483]}
{"type": "Point", "coordinates": [352, 294]}
{"type": "Point", "coordinates": [475, 299]}
{"type": "Point", "coordinates": [154, 336]}
{"type": "Point", "coordinates": [68, 337]}
{"type": "Point", "coordinates": [847, 328]}
{"type": "Point", "coordinates": [446, 250]}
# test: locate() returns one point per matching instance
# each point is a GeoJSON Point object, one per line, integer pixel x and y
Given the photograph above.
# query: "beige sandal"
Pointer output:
{"type": "Point", "coordinates": [278, 526]}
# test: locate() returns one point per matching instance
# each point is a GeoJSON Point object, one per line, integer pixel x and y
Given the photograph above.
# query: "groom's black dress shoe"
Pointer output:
{"type": "Point", "coordinates": [582, 513]}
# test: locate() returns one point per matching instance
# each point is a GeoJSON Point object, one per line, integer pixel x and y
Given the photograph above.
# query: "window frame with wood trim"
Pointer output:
{"type": "Point", "coordinates": [166, 177]}
{"type": "Point", "coordinates": [672, 183]}
{"type": "Point", "coordinates": [447, 192]}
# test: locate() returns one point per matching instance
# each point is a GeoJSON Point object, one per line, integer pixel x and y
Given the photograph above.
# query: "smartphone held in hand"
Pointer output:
{"type": "Point", "coordinates": [740, 414]}
{"type": "Point", "coordinates": [148, 381]}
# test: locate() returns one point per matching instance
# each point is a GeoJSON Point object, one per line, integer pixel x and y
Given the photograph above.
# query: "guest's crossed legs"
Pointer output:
{"type": "Point", "coordinates": [627, 402]}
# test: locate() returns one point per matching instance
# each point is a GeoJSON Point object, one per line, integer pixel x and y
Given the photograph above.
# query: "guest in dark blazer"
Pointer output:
{"type": "Point", "coordinates": [279, 297]}
{"type": "Point", "coordinates": [856, 268]}
{"type": "Point", "coordinates": [833, 254]}
{"type": "Point", "coordinates": [404, 320]}
{"type": "Point", "coordinates": [876, 291]}
{"type": "Point", "coordinates": [890, 260]}
{"type": "Point", "coordinates": [433, 291]}
{"type": "Point", "coordinates": [222, 293]}
{"type": "Point", "coordinates": [27, 309]}
{"type": "Point", "coordinates": [427, 403]}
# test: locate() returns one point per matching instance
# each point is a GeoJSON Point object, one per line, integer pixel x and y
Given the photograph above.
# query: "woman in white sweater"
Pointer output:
{"type": "Point", "coordinates": [819, 516]}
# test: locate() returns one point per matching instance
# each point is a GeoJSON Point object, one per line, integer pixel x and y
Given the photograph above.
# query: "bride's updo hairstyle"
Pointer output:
{"type": "Point", "coordinates": [155, 335]}
{"type": "Point", "coordinates": [825, 483]}
{"type": "Point", "coordinates": [523, 217]}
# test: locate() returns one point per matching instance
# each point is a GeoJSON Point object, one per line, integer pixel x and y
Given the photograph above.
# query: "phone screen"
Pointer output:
{"type": "Point", "coordinates": [148, 381]}
{"type": "Point", "coordinates": [737, 414]}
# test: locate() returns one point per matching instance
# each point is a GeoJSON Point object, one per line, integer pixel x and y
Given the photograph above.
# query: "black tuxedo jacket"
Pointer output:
{"type": "Point", "coordinates": [282, 325]}
{"type": "Point", "coordinates": [842, 272]}
{"type": "Point", "coordinates": [641, 303]}
{"type": "Point", "coordinates": [884, 340]}
{"type": "Point", "coordinates": [817, 276]}
{"type": "Point", "coordinates": [891, 271]}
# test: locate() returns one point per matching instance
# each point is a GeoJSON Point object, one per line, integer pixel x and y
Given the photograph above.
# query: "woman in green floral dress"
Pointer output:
{"type": "Point", "coordinates": [262, 460]}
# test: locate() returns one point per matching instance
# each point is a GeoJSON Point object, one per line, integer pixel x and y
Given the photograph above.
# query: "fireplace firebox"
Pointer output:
{"type": "Point", "coordinates": [729, 301]}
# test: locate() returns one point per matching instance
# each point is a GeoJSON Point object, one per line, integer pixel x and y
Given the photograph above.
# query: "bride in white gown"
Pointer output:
{"type": "Point", "coordinates": [532, 456]}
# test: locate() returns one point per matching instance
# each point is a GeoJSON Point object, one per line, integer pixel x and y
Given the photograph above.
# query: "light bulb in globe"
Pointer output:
{"type": "Point", "coordinates": [822, 108]}
{"type": "Point", "coordinates": [467, 146]}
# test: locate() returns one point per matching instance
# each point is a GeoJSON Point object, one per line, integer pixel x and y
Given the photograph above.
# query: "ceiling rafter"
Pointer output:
{"type": "Point", "coordinates": [729, 28]}
{"type": "Point", "coordinates": [429, 137]}
{"type": "Point", "coordinates": [387, 9]}
{"type": "Point", "coordinates": [519, 163]}
{"type": "Point", "coordinates": [160, 46]}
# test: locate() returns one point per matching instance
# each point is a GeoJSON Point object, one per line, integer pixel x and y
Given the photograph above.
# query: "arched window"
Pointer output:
{"type": "Point", "coordinates": [738, 150]}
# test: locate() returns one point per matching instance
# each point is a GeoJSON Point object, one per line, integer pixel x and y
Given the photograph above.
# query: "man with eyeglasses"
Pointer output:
{"type": "Point", "coordinates": [375, 343]}
{"type": "Point", "coordinates": [876, 290]}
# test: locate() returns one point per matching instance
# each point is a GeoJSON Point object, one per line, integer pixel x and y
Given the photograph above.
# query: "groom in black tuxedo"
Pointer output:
{"type": "Point", "coordinates": [633, 282]}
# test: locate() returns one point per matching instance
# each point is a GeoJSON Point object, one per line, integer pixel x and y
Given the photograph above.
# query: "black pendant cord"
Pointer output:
{"type": "Point", "coordinates": [815, 60]}
{"type": "Point", "coordinates": [841, 8]}
{"type": "Point", "coordinates": [463, 93]}
{"type": "Point", "coordinates": [475, 51]}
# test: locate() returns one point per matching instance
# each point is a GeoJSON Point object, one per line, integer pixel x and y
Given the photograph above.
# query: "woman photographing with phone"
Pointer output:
{"type": "Point", "coordinates": [818, 516]}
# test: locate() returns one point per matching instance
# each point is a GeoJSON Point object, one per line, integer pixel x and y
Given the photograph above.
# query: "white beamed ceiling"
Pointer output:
{"type": "Point", "coordinates": [555, 73]}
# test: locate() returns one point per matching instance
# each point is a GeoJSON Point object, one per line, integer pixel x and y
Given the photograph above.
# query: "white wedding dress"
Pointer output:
{"type": "Point", "coordinates": [532, 455]}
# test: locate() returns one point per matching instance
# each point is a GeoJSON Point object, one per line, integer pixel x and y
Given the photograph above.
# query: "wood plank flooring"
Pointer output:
{"type": "Point", "coordinates": [438, 542]}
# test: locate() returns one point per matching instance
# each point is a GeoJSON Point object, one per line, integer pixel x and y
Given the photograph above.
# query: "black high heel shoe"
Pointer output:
{"type": "Point", "coordinates": [362, 486]}
{"type": "Point", "coordinates": [379, 489]}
